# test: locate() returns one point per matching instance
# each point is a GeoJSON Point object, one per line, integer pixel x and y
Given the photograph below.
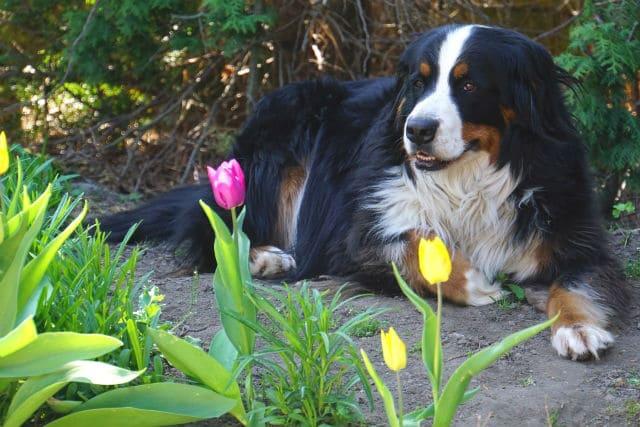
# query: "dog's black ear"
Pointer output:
{"type": "Point", "coordinates": [531, 85]}
{"type": "Point", "coordinates": [402, 74]}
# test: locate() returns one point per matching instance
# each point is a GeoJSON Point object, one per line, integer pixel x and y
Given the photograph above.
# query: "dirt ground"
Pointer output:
{"type": "Point", "coordinates": [531, 386]}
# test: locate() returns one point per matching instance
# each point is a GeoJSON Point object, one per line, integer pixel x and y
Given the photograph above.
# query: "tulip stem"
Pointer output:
{"type": "Point", "coordinates": [436, 347]}
{"type": "Point", "coordinates": [400, 405]}
{"type": "Point", "coordinates": [234, 222]}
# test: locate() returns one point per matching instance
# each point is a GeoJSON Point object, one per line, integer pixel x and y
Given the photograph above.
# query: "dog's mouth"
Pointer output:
{"type": "Point", "coordinates": [428, 162]}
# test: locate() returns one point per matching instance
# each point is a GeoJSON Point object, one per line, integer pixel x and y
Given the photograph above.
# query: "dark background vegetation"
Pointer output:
{"type": "Point", "coordinates": [138, 95]}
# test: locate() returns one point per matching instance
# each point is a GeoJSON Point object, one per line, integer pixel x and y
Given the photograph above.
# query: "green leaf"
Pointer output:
{"type": "Point", "coordinates": [219, 227]}
{"type": "Point", "coordinates": [223, 350]}
{"type": "Point", "coordinates": [229, 283]}
{"type": "Point", "coordinates": [13, 205]}
{"type": "Point", "coordinates": [36, 390]}
{"type": "Point", "coordinates": [416, 417]}
{"type": "Point", "coordinates": [63, 407]}
{"type": "Point", "coordinates": [22, 230]}
{"type": "Point", "coordinates": [132, 332]}
{"type": "Point", "coordinates": [453, 392]}
{"type": "Point", "coordinates": [241, 336]}
{"type": "Point", "coordinates": [429, 331]}
{"type": "Point", "coordinates": [149, 405]}
{"type": "Point", "coordinates": [35, 270]}
{"type": "Point", "coordinates": [517, 291]}
{"type": "Point", "coordinates": [23, 335]}
{"type": "Point", "coordinates": [51, 350]}
{"type": "Point", "coordinates": [195, 363]}
{"type": "Point", "coordinates": [385, 394]}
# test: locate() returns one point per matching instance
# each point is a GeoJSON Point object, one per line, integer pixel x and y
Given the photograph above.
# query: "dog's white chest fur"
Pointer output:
{"type": "Point", "coordinates": [467, 204]}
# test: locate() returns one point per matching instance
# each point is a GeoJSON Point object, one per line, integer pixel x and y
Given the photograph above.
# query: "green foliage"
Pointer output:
{"type": "Point", "coordinates": [96, 60]}
{"type": "Point", "coordinates": [47, 361]}
{"type": "Point", "coordinates": [201, 367]}
{"type": "Point", "coordinates": [232, 280]}
{"type": "Point", "coordinates": [309, 368]}
{"type": "Point", "coordinates": [513, 299]}
{"type": "Point", "coordinates": [632, 409]}
{"type": "Point", "coordinates": [633, 268]}
{"type": "Point", "coordinates": [35, 367]}
{"type": "Point", "coordinates": [621, 208]}
{"type": "Point", "coordinates": [93, 289]}
{"type": "Point", "coordinates": [603, 55]}
{"type": "Point", "coordinates": [368, 328]}
{"type": "Point", "coordinates": [446, 398]}
{"type": "Point", "coordinates": [37, 173]}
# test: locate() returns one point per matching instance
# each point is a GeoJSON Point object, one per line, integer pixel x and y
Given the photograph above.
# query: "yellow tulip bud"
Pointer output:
{"type": "Point", "coordinates": [393, 350]}
{"type": "Point", "coordinates": [4, 154]}
{"type": "Point", "coordinates": [434, 260]}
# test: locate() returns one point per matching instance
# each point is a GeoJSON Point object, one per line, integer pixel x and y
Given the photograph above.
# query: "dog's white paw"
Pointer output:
{"type": "Point", "coordinates": [579, 342]}
{"type": "Point", "coordinates": [269, 261]}
{"type": "Point", "coordinates": [480, 291]}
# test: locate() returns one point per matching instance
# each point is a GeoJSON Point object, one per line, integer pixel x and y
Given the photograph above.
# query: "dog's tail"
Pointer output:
{"type": "Point", "coordinates": [175, 218]}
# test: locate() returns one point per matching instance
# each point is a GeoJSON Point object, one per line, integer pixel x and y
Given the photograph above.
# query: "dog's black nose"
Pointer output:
{"type": "Point", "coordinates": [421, 130]}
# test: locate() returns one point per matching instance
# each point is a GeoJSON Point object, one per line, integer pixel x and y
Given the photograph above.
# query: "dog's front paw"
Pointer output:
{"type": "Point", "coordinates": [580, 342]}
{"type": "Point", "coordinates": [480, 291]}
{"type": "Point", "coordinates": [268, 262]}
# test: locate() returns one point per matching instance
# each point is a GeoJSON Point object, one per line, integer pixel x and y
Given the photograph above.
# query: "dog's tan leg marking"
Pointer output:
{"type": "Point", "coordinates": [291, 188]}
{"type": "Point", "coordinates": [579, 332]}
{"type": "Point", "coordinates": [268, 262]}
{"type": "Point", "coordinates": [467, 285]}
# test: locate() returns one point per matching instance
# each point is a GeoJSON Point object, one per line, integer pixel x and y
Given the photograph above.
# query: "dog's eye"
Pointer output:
{"type": "Point", "coordinates": [418, 83]}
{"type": "Point", "coordinates": [469, 86]}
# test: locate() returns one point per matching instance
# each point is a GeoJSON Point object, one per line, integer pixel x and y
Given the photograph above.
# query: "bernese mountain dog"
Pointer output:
{"type": "Point", "coordinates": [470, 141]}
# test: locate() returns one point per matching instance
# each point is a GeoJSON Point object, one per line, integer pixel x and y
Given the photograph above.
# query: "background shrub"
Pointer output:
{"type": "Point", "coordinates": [604, 55]}
{"type": "Point", "coordinates": [136, 94]}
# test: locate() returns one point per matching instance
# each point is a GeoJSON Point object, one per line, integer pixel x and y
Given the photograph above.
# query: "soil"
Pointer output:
{"type": "Point", "coordinates": [531, 386]}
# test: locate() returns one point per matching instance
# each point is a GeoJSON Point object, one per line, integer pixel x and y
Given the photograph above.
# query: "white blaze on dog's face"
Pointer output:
{"type": "Point", "coordinates": [449, 101]}
{"type": "Point", "coordinates": [437, 108]}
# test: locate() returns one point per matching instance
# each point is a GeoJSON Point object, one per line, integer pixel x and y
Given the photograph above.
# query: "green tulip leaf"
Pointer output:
{"type": "Point", "coordinates": [429, 332]}
{"type": "Point", "coordinates": [22, 230]}
{"type": "Point", "coordinates": [24, 334]}
{"type": "Point", "coordinates": [149, 405]}
{"type": "Point", "coordinates": [218, 225]}
{"type": "Point", "coordinates": [63, 407]}
{"type": "Point", "coordinates": [416, 417]}
{"type": "Point", "coordinates": [385, 394]}
{"type": "Point", "coordinates": [229, 282]}
{"type": "Point", "coordinates": [453, 392]}
{"type": "Point", "coordinates": [36, 390]}
{"type": "Point", "coordinates": [51, 350]}
{"type": "Point", "coordinates": [195, 363]}
{"type": "Point", "coordinates": [223, 350]}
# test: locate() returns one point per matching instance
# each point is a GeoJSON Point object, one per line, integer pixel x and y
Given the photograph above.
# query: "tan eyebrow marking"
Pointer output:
{"type": "Point", "coordinates": [461, 69]}
{"type": "Point", "coordinates": [425, 69]}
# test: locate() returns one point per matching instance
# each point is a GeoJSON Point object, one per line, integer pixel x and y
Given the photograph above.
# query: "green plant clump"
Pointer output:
{"type": "Point", "coordinates": [309, 368]}
{"type": "Point", "coordinates": [603, 55]}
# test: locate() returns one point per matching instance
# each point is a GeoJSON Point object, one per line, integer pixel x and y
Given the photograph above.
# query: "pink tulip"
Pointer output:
{"type": "Point", "coordinates": [227, 183]}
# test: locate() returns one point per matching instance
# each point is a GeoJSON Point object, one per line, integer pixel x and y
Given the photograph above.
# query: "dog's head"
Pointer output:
{"type": "Point", "coordinates": [461, 87]}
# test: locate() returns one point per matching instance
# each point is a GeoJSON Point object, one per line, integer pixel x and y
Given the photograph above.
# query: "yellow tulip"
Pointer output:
{"type": "Point", "coordinates": [4, 154]}
{"type": "Point", "coordinates": [434, 260]}
{"type": "Point", "coordinates": [393, 350]}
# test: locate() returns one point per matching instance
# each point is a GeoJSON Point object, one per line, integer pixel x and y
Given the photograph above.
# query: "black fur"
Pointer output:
{"type": "Point", "coordinates": [346, 134]}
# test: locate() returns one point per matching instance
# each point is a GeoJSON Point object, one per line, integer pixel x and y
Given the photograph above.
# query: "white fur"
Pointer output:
{"type": "Point", "coordinates": [580, 341]}
{"type": "Point", "coordinates": [448, 143]}
{"type": "Point", "coordinates": [480, 291]}
{"type": "Point", "coordinates": [467, 204]}
{"type": "Point", "coordinates": [269, 261]}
